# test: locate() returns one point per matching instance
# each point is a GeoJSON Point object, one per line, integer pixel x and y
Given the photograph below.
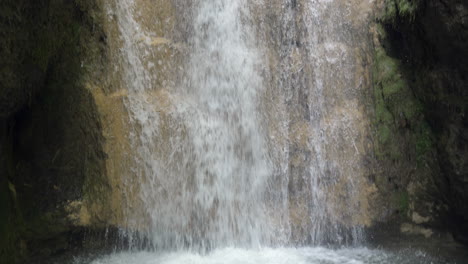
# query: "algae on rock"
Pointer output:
{"type": "Point", "coordinates": [420, 107]}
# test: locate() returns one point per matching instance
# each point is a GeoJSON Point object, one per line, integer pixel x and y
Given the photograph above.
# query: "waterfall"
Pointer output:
{"type": "Point", "coordinates": [245, 137]}
{"type": "Point", "coordinates": [224, 163]}
{"type": "Point", "coordinates": [335, 122]}
{"type": "Point", "coordinates": [210, 190]}
{"type": "Point", "coordinates": [240, 139]}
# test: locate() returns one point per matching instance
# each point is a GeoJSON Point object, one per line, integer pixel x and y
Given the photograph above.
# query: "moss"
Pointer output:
{"type": "Point", "coordinates": [400, 9]}
{"type": "Point", "coordinates": [423, 142]}
{"type": "Point", "coordinates": [384, 69]}
{"type": "Point", "coordinates": [384, 134]}
{"type": "Point", "coordinates": [396, 107]}
{"type": "Point", "coordinates": [413, 109]}
{"type": "Point", "coordinates": [428, 38]}
{"type": "Point", "coordinates": [397, 111]}
{"type": "Point", "coordinates": [386, 149]}
{"type": "Point", "coordinates": [387, 66]}
{"type": "Point", "coordinates": [402, 203]}
{"type": "Point", "coordinates": [407, 8]}
{"type": "Point", "coordinates": [393, 87]}
{"type": "Point", "coordinates": [384, 116]}
{"type": "Point", "coordinates": [390, 11]}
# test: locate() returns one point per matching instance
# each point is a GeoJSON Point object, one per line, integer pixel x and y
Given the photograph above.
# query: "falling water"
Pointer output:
{"type": "Point", "coordinates": [335, 120]}
{"type": "Point", "coordinates": [220, 164]}
{"type": "Point", "coordinates": [319, 89]}
{"type": "Point", "coordinates": [210, 190]}
{"type": "Point", "coordinates": [224, 162]}
{"type": "Point", "coordinates": [248, 132]}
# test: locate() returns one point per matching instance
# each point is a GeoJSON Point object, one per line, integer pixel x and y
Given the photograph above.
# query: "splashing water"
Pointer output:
{"type": "Point", "coordinates": [273, 256]}
{"type": "Point", "coordinates": [209, 170]}
{"type": "Point", "coordinates": [245, 123]}
{"type": "Point", "coordinates": [250, 141]}
{"type": "Point", "coordinates": [209, 191]}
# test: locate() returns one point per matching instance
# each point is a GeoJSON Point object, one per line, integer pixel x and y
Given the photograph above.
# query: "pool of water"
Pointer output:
{"type": "Point", "coordinates": [305, 255]}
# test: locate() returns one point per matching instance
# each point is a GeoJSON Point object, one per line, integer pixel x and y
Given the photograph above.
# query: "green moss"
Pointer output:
{"type": "Point", "coordinates": [423, 142]}
{"type": "Point", "coordinates": [384, 134]}
{"type": "Point", "coordinates": [396, 109]}
{"type": "Point", "coordinates": [402, 202]}
{"type": "Point", "coordinates": [397, 9]}
{"type": "Point", "coordinates": [386, 149]}
{"type": "Point", "coordinates": [392, 87]}
{"type": "Point", "coordinates": [383, 115]}
{"type": "Point", "coordinates": [412, 109]}
{"type": "Point", "coordinates": [387, 66]}
{"type": "Point", "coordinates": [390, 11]}
{"type": "Point", "coordinates": [407, 8]}
{"type": "Point", "coordinates": [384, 70]}
{"type": "Point", "coordinates": [395, 106]}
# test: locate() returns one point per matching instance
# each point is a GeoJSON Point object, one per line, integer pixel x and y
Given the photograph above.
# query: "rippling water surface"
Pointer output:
{"type": "Point", "coordinates": [316, 255]}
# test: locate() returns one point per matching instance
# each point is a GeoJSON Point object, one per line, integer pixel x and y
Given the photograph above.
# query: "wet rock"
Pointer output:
{"type": "Point", "coordinates": [418, 52]}
{"type": "Point", "coordinates": [50, 138]}
{"type": "Point", "coordinates": [415, 230]}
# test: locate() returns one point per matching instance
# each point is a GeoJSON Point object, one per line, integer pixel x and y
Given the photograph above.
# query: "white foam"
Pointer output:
{"type": "Point", "coordinates": [243, 256]}
{"type": "Point", "coordinates": [317, 255]}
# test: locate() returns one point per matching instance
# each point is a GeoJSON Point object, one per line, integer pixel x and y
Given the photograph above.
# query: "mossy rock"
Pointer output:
{"type": "Point", "coordinates": [50, 135]}
{"type": "Point", "coordinates": [401, 202]}
{"type": "Point", "coordinates": [400, 9]}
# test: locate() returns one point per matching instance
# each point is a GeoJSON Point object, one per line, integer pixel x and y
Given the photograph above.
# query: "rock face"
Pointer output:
{"type": "Point", "coordinates": [51, 143]}
{"type": "Point", "coordinates": [421, 100]}
{"type": "Point", "coordinates": [65, 130]}
{"type": "Point", "coordinates": [319, 63]}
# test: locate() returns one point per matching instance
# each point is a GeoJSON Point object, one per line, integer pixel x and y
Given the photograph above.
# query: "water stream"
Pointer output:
{"type": "Point", "coordinates": [209, 191]}
{"type": "Point", "coordinates": [249, 146]}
